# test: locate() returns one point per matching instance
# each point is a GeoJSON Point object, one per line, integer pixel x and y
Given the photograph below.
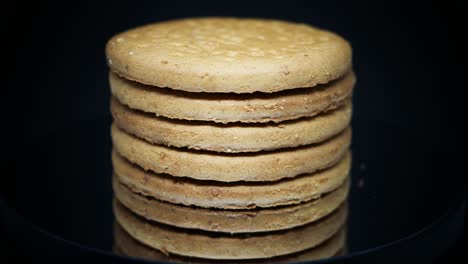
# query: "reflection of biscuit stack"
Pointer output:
{"type": "Point", "coordinates": [126, 245]}
{"type": "Point", "coordinates": [246, 157]}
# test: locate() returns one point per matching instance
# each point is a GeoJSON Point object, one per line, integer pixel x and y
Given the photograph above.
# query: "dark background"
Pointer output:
{"type": "Point", "coordinates": [407, 56]}
{"type": "Point", "coordinates": [409, 59]}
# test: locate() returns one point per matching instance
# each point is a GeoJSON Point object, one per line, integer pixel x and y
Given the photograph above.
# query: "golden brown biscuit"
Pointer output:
{"type": "Point", "coordinates": [241, 195]}
{"type": "Point", "coordinates": [230, 221]}
{"type": "Point", "coordinates": [211, 245]}
{"type": "Point", "coordinates": [225, 108]}
{"type": "Point", "coordinates": [229, 55]}
{"type": "Point", "coordinates": [124, 244]}
{"type": "Point", "coordinates": [231, 138]}
{"type": "Point", "coordinates": [205, 165]}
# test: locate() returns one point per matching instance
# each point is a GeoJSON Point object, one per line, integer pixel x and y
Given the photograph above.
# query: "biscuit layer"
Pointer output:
{"type": "Point", "coordinates": [231, 138]}
{"type": "Point", "coordinates": [205, 165]}
{"type": "Point", "coordinates": [229, 55]}
{"type": "Point", "coordinates": [211, 245]}
{"type": "Point", "coordinates": [241, 195]}
{"type": "Point", "coordinates": [230, 221]}
{"type": "Point", "coordinates": [126, 245]}
{"type": "Point", "coordinates": [225, 108]}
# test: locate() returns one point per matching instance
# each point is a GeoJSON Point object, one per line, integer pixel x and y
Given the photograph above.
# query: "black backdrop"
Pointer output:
{"type": "Point", "coordinates": [409, 59]}
{"type": "Point", "coordinates": [407, 56]}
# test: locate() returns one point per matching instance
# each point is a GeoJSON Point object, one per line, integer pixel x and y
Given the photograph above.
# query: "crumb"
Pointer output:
{"type": "Point", "coordinates": [215, 192]}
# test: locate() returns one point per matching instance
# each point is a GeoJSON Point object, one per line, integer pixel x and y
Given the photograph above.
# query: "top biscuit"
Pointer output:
{"type": "Point", "coordinates": [229, 55]}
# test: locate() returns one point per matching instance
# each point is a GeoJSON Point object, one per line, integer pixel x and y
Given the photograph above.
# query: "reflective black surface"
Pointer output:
{"type": "Point", "coordinates": [408, 59]}
{"type": "Point", "coordinates": [399, 184]}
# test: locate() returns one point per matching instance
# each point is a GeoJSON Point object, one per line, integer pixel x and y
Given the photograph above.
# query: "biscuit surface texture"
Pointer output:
{"type": "Point", "coordinates": [225, 108]}
{"type": "Point", "coordinates": [211, 194]}
{"type": "Point", "coordinates": [231, 138]}
{"type": "Point", "coordinates": [212, 245]}
{"type": "Point", "coordinates": [124, 244]}
{"type": "Point", "coordinates": [206, 165]}
{"type": "Point", "coordinates": [230, 221]}
{"type": "Point", "coordinates": [229, 55]}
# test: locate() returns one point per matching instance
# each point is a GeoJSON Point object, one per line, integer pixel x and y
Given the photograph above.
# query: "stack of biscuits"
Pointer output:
{"type": "Point", "coordinates": [230, 139]}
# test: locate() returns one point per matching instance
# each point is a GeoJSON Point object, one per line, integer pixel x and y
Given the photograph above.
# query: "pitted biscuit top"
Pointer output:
{"type": "Point", "coordinates": [229, 55]}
